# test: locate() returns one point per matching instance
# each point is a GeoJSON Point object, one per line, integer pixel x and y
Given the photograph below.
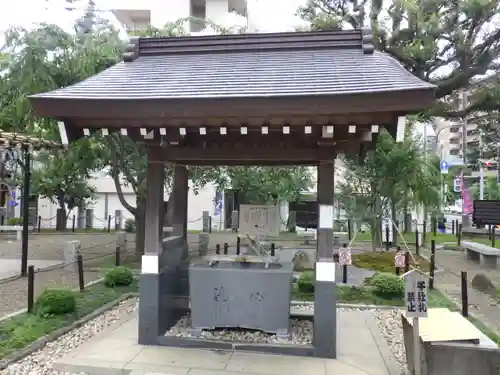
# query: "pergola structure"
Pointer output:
{"type": "Point", "coordinates": [256, 99]}
{"type": "Point", "coordinates": [12, 145]}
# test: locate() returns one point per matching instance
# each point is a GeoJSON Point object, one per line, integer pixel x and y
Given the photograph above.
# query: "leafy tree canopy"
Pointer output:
{"type": "Point", "coordinates": [449, 44]}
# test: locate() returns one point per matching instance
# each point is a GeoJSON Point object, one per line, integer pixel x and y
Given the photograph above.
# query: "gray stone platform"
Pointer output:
{"type": "Point", "coordinates": [361, 351]}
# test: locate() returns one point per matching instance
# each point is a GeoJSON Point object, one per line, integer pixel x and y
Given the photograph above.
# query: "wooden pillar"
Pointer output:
{"type": "Point", "coordinates": [154, 210]}
{"type": "Point", "coordinates": [180, 191]}
{"type": "Point", "coordinates": [325, 302]}
{"type": "Point", "coordinates": [151, 315]}
{"type": "Point", "coordinates": [324, 245]}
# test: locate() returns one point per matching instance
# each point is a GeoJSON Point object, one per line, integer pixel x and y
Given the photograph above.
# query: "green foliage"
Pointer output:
{"type": "Point", "coordinates": [130, 226]}
{"type": "Point", "coordinates": [118, 276]}
{"type": "Point", "coordinates": [305, 282]}
{"type": "Point", "coordinates": [383, 261]}
{"type": "Point", "coordinates": [55, 302]}
{"type": "Point", "coordinates": [388, 285]}
{"type": "Point", "coordinates": [15, 221]}
{"type": "Point", "coordinates": [260, 185]}
{"type": "Point", "coordinates": [393, 177]}
{"type": "Point", "coordinates": [23, 329]}
{"type": "Point", "coordinates": [421, 34]}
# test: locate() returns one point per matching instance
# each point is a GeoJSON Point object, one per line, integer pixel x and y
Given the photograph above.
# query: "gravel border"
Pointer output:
{"type": "Point", "coordinates": [41, 342]}
{"type": "Point", "coordinates": [351, 305]}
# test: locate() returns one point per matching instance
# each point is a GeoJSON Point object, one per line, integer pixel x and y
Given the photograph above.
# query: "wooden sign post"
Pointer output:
{"type": "Point", "coordinates": [416, 307]}
{"type": "Point", "coordinates": [345, 260]}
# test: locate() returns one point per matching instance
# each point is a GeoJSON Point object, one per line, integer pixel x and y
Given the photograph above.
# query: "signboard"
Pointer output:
{"type": "Point", "coordinates": [416, 295]}
{"type": "Point", "coordinates": [345, 256]}
{"type": "Point", "coordinates": [486, 212]}
{"type": "Point", "coordinates": [457, 185]}
{"type": "Point", "coordinates": [399, 260]}
{"type": "Point", "coordinates": [443, 166]}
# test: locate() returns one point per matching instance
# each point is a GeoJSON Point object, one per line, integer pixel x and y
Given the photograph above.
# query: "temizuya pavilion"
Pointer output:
{"type": "Point", "coordinates": [257, 99]}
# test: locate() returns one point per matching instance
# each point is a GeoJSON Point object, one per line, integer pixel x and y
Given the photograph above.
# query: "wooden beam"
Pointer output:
{"type": "Point", "coordinates": [256, 155]}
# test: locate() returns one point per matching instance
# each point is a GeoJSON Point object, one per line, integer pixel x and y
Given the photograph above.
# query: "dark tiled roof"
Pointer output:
{"type": "Point", "coordinates": [268, 65]}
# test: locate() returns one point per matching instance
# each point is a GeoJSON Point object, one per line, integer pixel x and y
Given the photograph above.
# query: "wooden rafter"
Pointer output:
{"type": "Point", "coordinates": [17, 140]}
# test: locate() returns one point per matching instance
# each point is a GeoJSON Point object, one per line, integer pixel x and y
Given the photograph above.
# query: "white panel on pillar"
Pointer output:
{"type": "Point", "coordinates": [243, 130]}
{"type": "Point", "coordinates": [325, 271]}
{"type": "Point", "coordinates": [124, 131]}
{"type": "Point", "coordinates": [308, 129]}
{"type": "Point", "coordinates": [400, 132]}
{"type": "Point", "coordinates": [264, 130]}
{"type": "Point", "coordinates": [104, 131]}
{"type": "Point", "coordinates": [163, 131]}
{"type": "Point", "coordinates": [286, 130]}
{"type": "Point", "coordinates": [325, 216]}
{"type": "Point", "coordinates": [223, 130]}
{"type": "Point", "coordinates": [150, 264]}
{"type": "Point", "coordinates": [86, 132]}
{"type": "Point", "coordinates": [182, 131]}
{"type": "Point", "coordinates": [375, 128]}
{"type": "Point", "coordinates": [352, 129]}
{"type": "Point", "coordinates": [203, 131]}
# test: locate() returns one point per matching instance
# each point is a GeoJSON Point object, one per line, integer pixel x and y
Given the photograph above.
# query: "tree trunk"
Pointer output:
{"type": "Point", "coordinates": [61, 219]}
{"type": "Point", "coordinates": [394, 216]}
{"type": "Point", "coordinates": [140, 226]}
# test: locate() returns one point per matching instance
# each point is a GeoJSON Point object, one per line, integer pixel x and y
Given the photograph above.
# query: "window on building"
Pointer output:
{"type": "Point", "coordinates": [199, 11]}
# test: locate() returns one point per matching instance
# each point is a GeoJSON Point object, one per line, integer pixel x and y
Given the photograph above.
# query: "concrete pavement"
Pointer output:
{"type": "Point", "coordinates": [361, 351]}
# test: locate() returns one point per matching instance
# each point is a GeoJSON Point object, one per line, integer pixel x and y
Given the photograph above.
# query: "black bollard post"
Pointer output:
{"type": "Point", "coordinates": [432, 265]}
{"type": "Point", "coordinates": [349, 229]}
{"type": "Point", "coordinates": [79, 263]}
{"type": "Point", "coordinates": [73, 223]}
{"type": "Point", "coordinates": [217, 249]}
{"type": "Point", "coordinates": [238, 245]}
{"type": "Point", "coordinates": [273, 249]}
{"type": "Point", "coordinates": [109, 223]}
{"type": "Point", "coordinates": [459, 234]}
{"type": "Point", "coordinates": [39, 223]}
{"type": "Point", "coordinates": [344, 273]}
{"type": "Point", "coordinates": [453, 227]}
{"type": "Point", "coordinates": [434, 226]}
{"type": "Point", "coordinates": [464, 293]}
{"type": "Point", "coordinates": [407, 261]}
{"type": "Point", "coordinates": [31, 288]}
{"type": "Point", "coordinates": [226, 248]}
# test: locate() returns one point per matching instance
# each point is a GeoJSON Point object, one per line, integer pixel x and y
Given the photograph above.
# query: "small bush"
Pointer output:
{"type": "Point", "coordinates": [388, 285]}
{"type": "Point", "coordinates": [15, 221]}
{"type": "Point", "coordinates": [130, 226]}
{"type": "Point", "coordinates": [118, 276]}
{"type": "Point", "coordinates": [55, 302]}
{"type": "Point", "coordinates": [305, 283]}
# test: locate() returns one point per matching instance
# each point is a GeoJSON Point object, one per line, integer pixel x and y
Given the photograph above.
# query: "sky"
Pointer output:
{"type": "Point", "coordinates": [266, 15]}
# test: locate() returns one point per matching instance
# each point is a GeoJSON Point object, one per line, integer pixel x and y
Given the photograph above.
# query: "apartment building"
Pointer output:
{"type": "Point", "coordinates": [226, 13]}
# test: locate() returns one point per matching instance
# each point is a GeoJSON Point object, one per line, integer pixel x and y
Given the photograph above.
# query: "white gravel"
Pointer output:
{"type": "Point", "coordinates": [301, 333]}
{"type": "Point", "coordinates": [40, 362]}
{"type": "Point", "coordinates": [389, 322]}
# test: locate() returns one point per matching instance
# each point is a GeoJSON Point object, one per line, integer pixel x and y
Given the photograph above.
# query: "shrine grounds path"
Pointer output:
{"type": "Point", "coordinates": [481, 306]}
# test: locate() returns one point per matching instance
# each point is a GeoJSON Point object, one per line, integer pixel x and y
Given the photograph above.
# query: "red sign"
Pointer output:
{"type": "Point", "coordinates": [345, 256]}
{"type": "Point", "coordinates": [399, 260]}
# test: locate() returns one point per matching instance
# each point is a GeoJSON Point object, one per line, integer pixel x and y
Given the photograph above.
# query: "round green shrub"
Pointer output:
{"type": "Point", "coordinates": [55, 302]}
{"type": "Point", "coordinates": [118, 276]}
{"type": "Point", "coordinates": [305, 283]}
{"type": "Point", "coordinates": [130, 226]}
{"type": "Point", "coordinates": [387, 285]}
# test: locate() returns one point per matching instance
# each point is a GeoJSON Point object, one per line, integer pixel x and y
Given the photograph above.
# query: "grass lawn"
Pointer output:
{"type": "Point", "coordinates": [364, 296]}
{"type": "Point", "coordinates": [21, 330]}
{"type": "Point", "coordinates": [384, 261]}
{"type": "Point", "coordinates": [440, 238]}
{"type": "Point", "coordinates": [131, 261]}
